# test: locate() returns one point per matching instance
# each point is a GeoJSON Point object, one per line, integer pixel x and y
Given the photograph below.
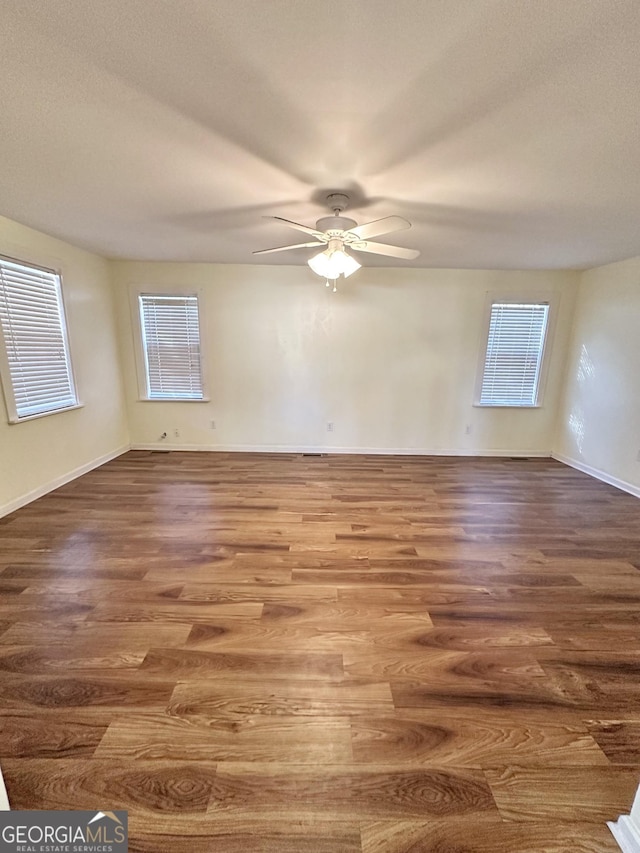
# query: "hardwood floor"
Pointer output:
{"type": "Point", "coordinates": [366, 654]}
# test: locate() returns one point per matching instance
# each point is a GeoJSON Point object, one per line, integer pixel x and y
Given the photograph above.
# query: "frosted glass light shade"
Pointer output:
{"type": "Point", "coordinates": [349, 264]}
{"type": "Point", "coordinates": [333, 264]}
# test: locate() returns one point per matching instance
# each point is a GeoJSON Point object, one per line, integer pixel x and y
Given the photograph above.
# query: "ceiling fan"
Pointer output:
{"type": "Point", "coordinates": [338, 233]}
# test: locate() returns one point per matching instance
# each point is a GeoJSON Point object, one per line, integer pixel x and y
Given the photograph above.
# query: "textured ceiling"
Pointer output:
{"type": "Point", "coordinates": [507, 131]}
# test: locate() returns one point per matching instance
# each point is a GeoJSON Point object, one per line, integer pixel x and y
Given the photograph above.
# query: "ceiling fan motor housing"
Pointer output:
{"type": "Point", "coordinates": [336, 224]}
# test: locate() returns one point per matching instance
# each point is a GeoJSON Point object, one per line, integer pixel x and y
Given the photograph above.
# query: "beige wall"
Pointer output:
{"type": "Point", "coordinates": [38, 455]}
{"type": "Point", "coordinates": [390, 360]}
{"type": "Point", "coordinates": [599, 418]}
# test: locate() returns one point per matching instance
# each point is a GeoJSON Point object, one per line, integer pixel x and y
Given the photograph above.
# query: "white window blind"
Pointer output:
{"type": "Point", "coordinates": [514, 354]}
{"type": "Point", "coordinates": [171, 346]}
{"type": "Point", "coordinates": [37, 375]}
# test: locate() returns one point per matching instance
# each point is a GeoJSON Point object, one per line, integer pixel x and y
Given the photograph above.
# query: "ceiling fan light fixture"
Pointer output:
{"type": "Point", "coordinates": [332, 263]}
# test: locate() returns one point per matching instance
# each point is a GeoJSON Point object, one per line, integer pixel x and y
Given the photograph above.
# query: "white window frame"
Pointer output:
{"type": "Point", "coordinates": [135, 291]}
{"type": "Point", "coordinates": [528, 298]}
{"type": "Point", "coordinates": [5, 369]}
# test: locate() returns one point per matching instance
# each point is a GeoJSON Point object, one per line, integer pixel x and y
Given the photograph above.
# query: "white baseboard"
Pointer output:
{"type": "Point", "coordinates": [293, 448]}
{"type": "Point", "coordinates": [626, 830]}
{"type": "Point", "coordinates": [598, 474]}
{"type": "Point", "coordinates": [33, 495]}
{"type": "Point", "coordinates": [626, 833]}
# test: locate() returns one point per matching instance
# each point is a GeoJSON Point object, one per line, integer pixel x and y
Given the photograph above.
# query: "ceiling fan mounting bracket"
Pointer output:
{"type": "Point", "coordinates": [338, 202]}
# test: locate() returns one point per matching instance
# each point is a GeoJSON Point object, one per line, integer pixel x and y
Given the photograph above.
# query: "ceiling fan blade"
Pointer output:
{"type": "Point", "coordinates": [317, 234]}
{"type": "Point", "coordinates": [284, 248]}
{"type": "Point", "coordinates": [384, 249]}
{"type": "Point", "coordinates": [380, 226]}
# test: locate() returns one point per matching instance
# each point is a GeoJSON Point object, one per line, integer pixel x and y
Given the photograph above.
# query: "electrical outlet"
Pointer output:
{"type": "Point", "coordinates": [329, 426]}
{"type": "Point", "coordinates": [468, 429]}
{"type": "Point", "coordinates": [213, 424]}
{"type": "Point", "coordinates": [176, 433]}
{"type": "Point", "coordinates": [638, 456]}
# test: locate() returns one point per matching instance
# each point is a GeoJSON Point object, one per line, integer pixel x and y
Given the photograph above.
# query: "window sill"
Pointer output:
{"type": "Point", "coordinates": [173, 400]}
{"type": "Point", "coordinates": [13, 421]}
{"type": "Point", "coordinates": [507, 406]}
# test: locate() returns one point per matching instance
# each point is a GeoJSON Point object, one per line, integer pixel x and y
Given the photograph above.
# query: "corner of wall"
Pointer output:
{"type": "Point", "coordinates": [560, 415]}
{"type": "Point", "coordinates": [598, 419]}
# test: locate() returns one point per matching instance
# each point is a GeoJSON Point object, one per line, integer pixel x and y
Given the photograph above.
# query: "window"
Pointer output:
{"type": "Point", "coordinates": [170, 332]}
{"type": "Point", "coordinates": [34, 359]}
{"type": "Point", "coordinates": [513, 357]}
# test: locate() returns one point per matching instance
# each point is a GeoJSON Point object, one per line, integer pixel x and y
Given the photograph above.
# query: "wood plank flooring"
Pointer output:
{"type": "Point", "coordinates": [365, 654]}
